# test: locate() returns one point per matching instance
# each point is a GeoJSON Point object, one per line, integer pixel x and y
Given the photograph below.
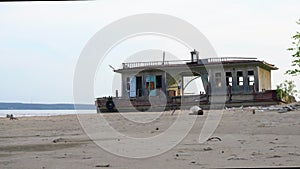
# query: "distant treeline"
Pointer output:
{"type": "Point", "coordinates": [29, 106]}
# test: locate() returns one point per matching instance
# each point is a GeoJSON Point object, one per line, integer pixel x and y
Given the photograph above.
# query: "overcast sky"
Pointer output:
{"type": "Point", "coordinates": [40, 42]}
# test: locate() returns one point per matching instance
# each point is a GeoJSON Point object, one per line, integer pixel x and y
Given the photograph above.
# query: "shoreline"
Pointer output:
{"type": "Point", "coordinates": [31, 113]}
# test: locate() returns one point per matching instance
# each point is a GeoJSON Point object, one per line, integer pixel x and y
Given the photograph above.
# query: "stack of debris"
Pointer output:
{"type": "Point", "coordinates": [279, 108]}
{"type": "Point", "coordinates": [290, 107]}
{"type": "Point", "coordinates": [11, 117]}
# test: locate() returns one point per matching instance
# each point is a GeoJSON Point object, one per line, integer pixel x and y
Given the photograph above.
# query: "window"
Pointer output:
{"type": "Point", "coordinates": [251, 78]}
{"type": "Point", "coordinates": [240, 78]}
{"type": "Point", "coordinates": [139, 87]}
{"type": "Point", "coordinates": [158, 81]}
{"type": "Point", "coordinates": [228, 79]}
{"type": "Point", "coordinates": [128, 84]}
{"type": "Point", "coordinates": [218, 80]}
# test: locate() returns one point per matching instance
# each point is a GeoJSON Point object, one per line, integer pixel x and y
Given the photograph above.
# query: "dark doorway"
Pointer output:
{"type": "Point", "coordinates": [158, 85]}
{"type": "Point", "coordinates": [228, 79]}
{"type": "Point", "coordinates": [158, 82]}
{"type": "Point", "coordinates": [139, 89]}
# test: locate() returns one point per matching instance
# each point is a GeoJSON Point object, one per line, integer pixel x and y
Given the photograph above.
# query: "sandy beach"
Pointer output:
{"type": "Point", "coordinates": [263, 139]}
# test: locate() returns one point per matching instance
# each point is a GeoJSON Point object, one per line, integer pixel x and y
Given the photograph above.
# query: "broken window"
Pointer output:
{"type": "Point", "coordinates": [228, 79]}
{"type": "Point", "coordinates": [139, 87]}
{"type": "Point", "coordinates": [240, 78]}
{"type": "Point", "coordinates": [158, 81]}
{"type": "Point", "coordinates": [128, 84]}
{"type": "Point", "coordinates": [218, 80]}
{"type": "Point", "coordinates": [251, 78]}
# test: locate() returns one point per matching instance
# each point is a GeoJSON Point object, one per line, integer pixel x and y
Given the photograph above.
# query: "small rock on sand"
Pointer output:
{"type": "Point", "coordinates": [103, 165]}
{"type": "Point", "coordinates": [208, 149]}
{"type": "Point", "coordinates": [236, 158]}
{"type": "Point", "coordinates": [58, 140]}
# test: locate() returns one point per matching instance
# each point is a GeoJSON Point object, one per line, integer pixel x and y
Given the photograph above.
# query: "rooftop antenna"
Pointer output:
{"type": "Point", "coordinates": [112, 67]}
{"type": "Point", "coordinates": [164, 54]}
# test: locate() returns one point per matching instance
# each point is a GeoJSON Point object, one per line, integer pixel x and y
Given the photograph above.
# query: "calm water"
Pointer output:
{"type": "Point", "coordinates": [22, 113]}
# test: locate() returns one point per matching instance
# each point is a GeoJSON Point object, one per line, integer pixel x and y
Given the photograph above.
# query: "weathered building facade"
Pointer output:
{"type": "Point", "coordinates": [240, 80]}
{"type": "Point", "coordinates": [239, 75]}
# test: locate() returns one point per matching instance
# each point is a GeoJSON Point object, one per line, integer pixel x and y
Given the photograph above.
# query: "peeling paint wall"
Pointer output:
{"type": "Point", "coordinates": [143, 75]}
{"type": "Point", "coordinates": [233, 70]}
{"type": "Point", "coordinates": [264, 78]}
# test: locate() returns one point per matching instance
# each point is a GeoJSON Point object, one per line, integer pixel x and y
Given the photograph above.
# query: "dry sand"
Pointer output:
{"type": "Point", "coordinates": [248, 140]}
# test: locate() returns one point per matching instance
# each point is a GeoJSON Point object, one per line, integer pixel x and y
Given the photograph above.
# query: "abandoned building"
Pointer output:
{"type": "Point", "coordinates": [231, 81]}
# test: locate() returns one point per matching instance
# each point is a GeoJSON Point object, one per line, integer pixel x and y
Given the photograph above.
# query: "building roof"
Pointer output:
{"type": "Point", "coordinates": [209, 62]}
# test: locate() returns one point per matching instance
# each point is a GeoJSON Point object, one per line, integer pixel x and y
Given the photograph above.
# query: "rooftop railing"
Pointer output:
{"type": "Point", "coordinates": [203, 61]}
{"type": "Point", "coordinates": [227, 59]}
{"type": "Point", "coordinates": [144, 64]}
{"type": "Point", "coordinates": [151, 63]}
